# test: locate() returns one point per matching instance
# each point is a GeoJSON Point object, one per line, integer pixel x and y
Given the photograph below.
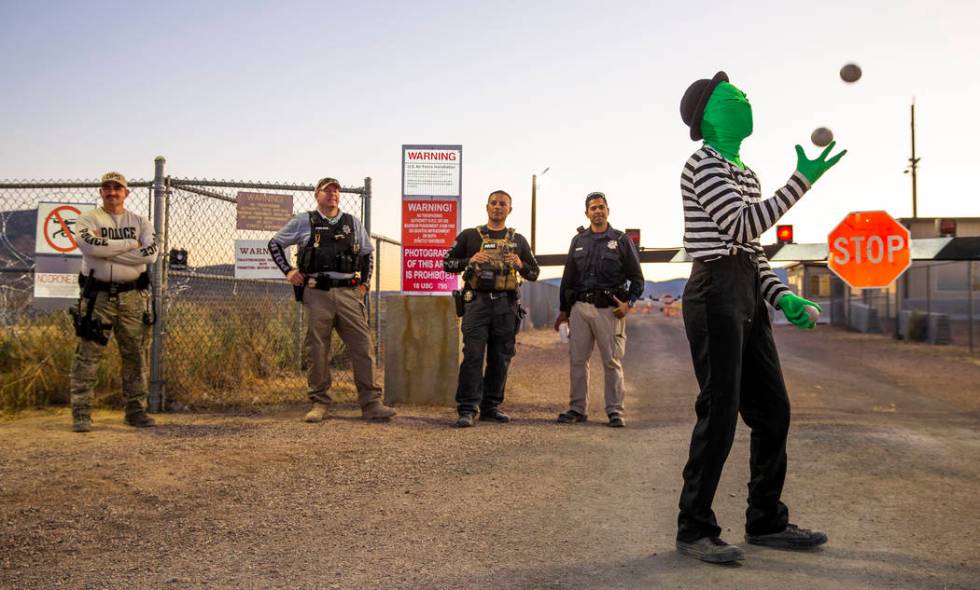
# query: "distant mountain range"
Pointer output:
{"type": "Point", "coordinates": [17, 230]}
{"type": "Point", "coordinates": [674, 287]}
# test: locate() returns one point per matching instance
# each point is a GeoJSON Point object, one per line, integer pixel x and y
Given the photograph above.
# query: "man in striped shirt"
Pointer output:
{"type": "Point", "coordinates": [727, 323]}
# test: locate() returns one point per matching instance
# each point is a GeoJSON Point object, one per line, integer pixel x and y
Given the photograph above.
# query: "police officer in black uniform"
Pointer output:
{"type": "Point", "coordinates": [601, 282]}
{"type": "Point", "coordinates": [490, 257]}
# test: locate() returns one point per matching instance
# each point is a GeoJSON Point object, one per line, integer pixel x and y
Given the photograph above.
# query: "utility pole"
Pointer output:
{"type": "Point", "coordinates": [913, 166]}
{"type": "Point", "coordinates": [534, 212]}
{"type": "Point", "coordinates": [534, 209]}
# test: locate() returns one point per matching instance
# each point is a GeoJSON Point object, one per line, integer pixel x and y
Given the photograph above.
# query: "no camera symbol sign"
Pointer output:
{"type": "Point", "coordinates": [56, 227]}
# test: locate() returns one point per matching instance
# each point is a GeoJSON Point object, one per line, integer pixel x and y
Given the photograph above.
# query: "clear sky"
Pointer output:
{"type": "Point", "coordinates": [292, 91]}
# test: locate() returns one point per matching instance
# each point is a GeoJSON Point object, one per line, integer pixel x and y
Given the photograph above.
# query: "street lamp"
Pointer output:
{"type": "Point", "coordinates": [534, 208]}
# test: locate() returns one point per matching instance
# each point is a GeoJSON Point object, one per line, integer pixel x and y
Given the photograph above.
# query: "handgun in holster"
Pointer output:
{"type": "Point", "coordinates": [460, 303]}
{"type": "Point", "coordinates": [88, 327]}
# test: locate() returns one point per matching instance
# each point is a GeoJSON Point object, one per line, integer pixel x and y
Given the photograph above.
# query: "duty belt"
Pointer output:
{"type": "Point", "coordinates": [597, 297]}
{"type": "Point", "coordinates": [324, 283]}
{"type": "Point", "coordinates": [143, 282]}
{"type": "Point", "coordinates": [495, 294]}
{"type": "Point", "coordinates": [592, 296]}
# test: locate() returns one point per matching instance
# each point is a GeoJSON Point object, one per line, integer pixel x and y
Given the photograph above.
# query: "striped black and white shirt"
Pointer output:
{"type": "Point", "coordinates": [724, 211]}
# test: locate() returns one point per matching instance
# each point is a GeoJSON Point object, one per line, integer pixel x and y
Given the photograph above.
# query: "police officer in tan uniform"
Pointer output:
{"type": "Point", "coordinates": [491, 257]}
{"type": "Point", "coordinates": [334, 261]}
{"type": "Point", "coordinates": [117, 245]}
{"type": "Point", "coordinates": [601, 282]}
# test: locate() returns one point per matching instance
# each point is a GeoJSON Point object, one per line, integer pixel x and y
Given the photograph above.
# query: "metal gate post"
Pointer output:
{"type": "Point", "coordinates": [377, 301]}
{"type": "Point", "coordinates": [156, 348]}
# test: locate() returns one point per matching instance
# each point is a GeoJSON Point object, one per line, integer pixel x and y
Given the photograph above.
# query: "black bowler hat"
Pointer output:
{"type": "Point", "coordinates": [695, 99]}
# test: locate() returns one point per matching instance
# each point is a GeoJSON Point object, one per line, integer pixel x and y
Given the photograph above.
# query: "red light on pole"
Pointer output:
{"type": "Point", "coordinates": [784, 234]}
{"type": "Point", "coordinates": [634, 234]}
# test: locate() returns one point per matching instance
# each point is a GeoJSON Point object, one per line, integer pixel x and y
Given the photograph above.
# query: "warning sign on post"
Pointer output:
{"type": "Point", "coordinates": [56, 228]}
{"type": "Point", "coordinates": [428, 230]}
{"type": "Point", "coordinates": [432, 170]}
{"type": "Point", "coordinates": [263, 211]}
{"type": "Point", "coordinates": [253, 261]}
{"type": "Point", "coordinates": [432, 189]}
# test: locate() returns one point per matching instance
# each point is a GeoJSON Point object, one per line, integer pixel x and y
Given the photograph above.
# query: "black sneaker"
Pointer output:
{"type": "Point", "coordinates": [495, 415]}
{"type": "Point", "coordinates": [571, 417]}
{"type": "Point", "coordinates": [791, 537]}
{"type": "Point", "coordinates": [140, 420]}
{"type": "Point", "coordinates": [616, 420]}
{"type": "Point", "coordinates": [465, 421]}
{"type": "Point", "coordinates": [711, 550]}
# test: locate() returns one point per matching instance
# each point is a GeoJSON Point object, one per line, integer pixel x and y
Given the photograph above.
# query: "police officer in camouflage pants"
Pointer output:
{"type": "Point", "coordinates": [116, 245]}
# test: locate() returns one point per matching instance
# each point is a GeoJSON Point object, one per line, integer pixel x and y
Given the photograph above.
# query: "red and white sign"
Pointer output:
{"type": "Point", "coordinates": [428, 230]}
{"type": "Point", "coordinates": [432, 193]}
{"type": "Point", "coordinates": [869, 249]}
{"type": "Point", "coordinates": [56, 228]}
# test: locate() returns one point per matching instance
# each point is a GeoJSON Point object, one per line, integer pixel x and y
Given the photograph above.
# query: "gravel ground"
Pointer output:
{"type": "Point", "coordinates": [883, 456]}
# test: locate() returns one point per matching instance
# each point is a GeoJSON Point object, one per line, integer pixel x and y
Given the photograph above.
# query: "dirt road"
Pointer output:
{"type": "Point", "coordinates": [883, 456]}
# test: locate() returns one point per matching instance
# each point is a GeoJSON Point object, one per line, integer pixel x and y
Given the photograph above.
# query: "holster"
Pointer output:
{"type": "Point", "coordinates": [459, 302]}
{"type": "Point", "coordinates": [86, 326]}
{"type": "Point", "coordinates": [298, 293]}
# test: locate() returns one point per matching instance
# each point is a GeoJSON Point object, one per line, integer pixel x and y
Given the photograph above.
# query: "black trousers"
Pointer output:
{"type": "Point", "coordinates": [737, 368]}
{"type": "Point", "coordinates": [489, 329]}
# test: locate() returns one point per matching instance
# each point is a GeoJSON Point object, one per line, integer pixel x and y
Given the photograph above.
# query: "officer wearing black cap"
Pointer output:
{"type": "Point", "coordinates": [491, 257]}
{"type": "Point", "coordinates": [601, 282]}
{"type": "Point", "coordinates": [334, 270]}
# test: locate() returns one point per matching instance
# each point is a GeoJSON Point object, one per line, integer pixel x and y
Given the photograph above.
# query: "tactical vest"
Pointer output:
{"type": "Point", "coordinates": [332, 247]}
{"type": "Point", "coordinates": [495, 275]}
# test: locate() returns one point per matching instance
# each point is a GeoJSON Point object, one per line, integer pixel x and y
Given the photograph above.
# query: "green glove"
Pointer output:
{"type": "Point", "coordinates": [794, 308]}
{"type": "Point", "coordinates": [814, 169]}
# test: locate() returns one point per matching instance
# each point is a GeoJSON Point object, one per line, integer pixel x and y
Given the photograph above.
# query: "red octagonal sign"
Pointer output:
{"type": "Point", "coordinates": [869, 249]}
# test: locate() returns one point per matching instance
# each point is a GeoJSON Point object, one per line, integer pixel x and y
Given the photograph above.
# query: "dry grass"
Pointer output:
{"type": "Point", "coordinates": [218, 355]}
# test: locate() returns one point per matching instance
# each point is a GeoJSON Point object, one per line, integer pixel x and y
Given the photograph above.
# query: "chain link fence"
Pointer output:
{"type": "Point", "coordinates": [220, 340]}
{"type": "Point", "coordinates": [931, 302]}
{"type": "Point", "coordinates": [229, 339]}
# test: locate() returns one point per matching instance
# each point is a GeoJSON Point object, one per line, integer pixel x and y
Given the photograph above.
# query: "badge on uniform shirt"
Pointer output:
{"type": "Point", "coordinates": [612, 245]}
{"type": "Point", "coordinates": [346, 229]}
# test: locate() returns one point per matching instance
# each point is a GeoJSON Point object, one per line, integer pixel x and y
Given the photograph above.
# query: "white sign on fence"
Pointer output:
{"type": "Point", "coordinates": [56, 228]}
{"type": "Point", "coordinates": [55, 285]}
{"type": "Point", "coordinates": [432, 170]}
{"type": "Point", "coordinates": [253, 261]}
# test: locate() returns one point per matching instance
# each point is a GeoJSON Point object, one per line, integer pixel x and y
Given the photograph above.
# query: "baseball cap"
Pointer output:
{"type": "Point", "coordinates": [323, 182]}
{"type": "Point", "coordinates": [115, 177]}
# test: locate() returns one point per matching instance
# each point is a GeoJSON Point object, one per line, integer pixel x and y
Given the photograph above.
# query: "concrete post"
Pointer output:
{"type": "Point", "coordinates": [422, 349]}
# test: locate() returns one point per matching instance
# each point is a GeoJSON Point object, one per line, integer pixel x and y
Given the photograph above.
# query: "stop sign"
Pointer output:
{"type": "Point", "coordinates": [869, 249]}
